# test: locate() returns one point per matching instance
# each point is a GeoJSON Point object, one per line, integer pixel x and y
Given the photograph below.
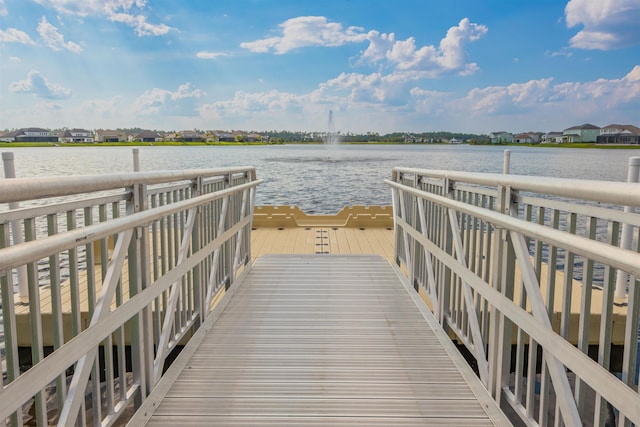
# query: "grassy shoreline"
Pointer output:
{"type": "Point", "coordinates": [244, 144]}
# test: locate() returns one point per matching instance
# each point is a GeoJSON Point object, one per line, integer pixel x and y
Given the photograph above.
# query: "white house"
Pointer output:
{"type": "Point", "coordinates": [76, 135]}
{"type": "Point", "coordinates": [110, 136]}
{"type": "Point", "coordinates": [500, 137]}
{"type": "Point", "coordinates": [552, 138]}
{"type": "Point", "coordinates": [525, 138]}
{"type": "Point", "coordinates": [35, 135]}
{"type": "Point", "coordinates": [619, 134]}
{"type": "Point", "coordinates": [582, 133]}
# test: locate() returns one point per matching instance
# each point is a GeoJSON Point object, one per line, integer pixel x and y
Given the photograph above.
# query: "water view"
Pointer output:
{"type": "Point", "coordinates": [324, 178]}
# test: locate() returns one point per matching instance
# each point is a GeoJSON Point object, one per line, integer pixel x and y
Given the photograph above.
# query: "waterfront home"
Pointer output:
{"type": "Point", "coordinates": [9, 136]}
{"type": "Point", "coordinates": [552, 138]}
{"type": "Point", "coordinates": [619, 134]}
{"type": "Point", "coordinates": [500, 137]}
{"type": "Point", "coordinates": [146, 136]}
{"type": "Point", "coordinates": [527, 138]}
{"type": "Point", "coordinates": [30, 135]}
{"type": "Point", "coordinates": [76, 135]}
{"type": "Point", "coordinates": [190, 136]}
{"type": "Point", "coordinates": [111, 136]}
{"type": "Point", "coordinates": [583, 133]}
{"type": "Point", "coordinates": [224, 136]}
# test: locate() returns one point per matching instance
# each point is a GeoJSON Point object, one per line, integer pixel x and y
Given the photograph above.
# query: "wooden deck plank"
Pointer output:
{"type": "Point", "coordinates": [322, 339]}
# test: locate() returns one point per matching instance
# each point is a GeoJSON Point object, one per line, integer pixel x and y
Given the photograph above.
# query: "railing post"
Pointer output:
{"type": "Point", "coordinates": [228, 245]}
{"type": "Point", "coordinates": [626, 238]}
{"type": "Point", "coordinates": [498, 342]}
{"type": "Point", "coordinates": [506, 167]}
{"type": "Point", "coordinates": [197, 284]}
{"type": "Point", "coordinates": [142, 345]}
{"type": "Point", "coordinates": [136, 160]}
{"type": "Point", "coordinates": [16, 227]}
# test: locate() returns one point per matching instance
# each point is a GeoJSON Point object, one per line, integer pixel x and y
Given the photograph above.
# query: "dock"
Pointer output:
{"type": "Point", "coordinates": [319, 340]}
{"type": "Point", "coordinates": [169, 298]}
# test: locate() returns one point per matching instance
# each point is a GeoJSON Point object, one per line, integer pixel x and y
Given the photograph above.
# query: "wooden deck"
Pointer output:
{"type": "Point", "coordinates": [319, 340]}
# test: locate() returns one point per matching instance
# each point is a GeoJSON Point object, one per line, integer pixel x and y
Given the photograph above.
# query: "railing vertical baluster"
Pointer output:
{"type": "Point", "coordinates": [567, 287]}
{"type": "Point", "coordinates": [37, 351]}
{"type": "Point", "coordinates": [74, 279]}
{"type": "Point", "coordinates": [196, 244]}
{"type": "Point", "coordinates": [585, 312]}
{"type": "Point", "coordinates": [552, 260]}
{"type": "Point", "coordinates": [496, 339]}
{"type": "Point", "coordinates": [446, 278]}
{"type": "Point", "coordinates": [9, 325]}
{"type": "Point", "coordinates": [629, 373]}
{"type": "Point", "coordinates": [606, 321]}
{"type": "Point", "coordinates": [56, 307]}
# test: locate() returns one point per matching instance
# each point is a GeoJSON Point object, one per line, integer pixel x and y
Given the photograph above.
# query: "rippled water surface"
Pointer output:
{"type": "Point", "coordinates": [323, 179]}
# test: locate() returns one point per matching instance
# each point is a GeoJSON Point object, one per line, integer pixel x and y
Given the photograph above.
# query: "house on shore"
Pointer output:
{"type": "Point", "coordinates": [527, 138]}
{"type": "Point", "coordinates": [582, 133]}
{"type": "Point", "coordinates": [619, 134]}
{"type": "Point", "coordinates": [146, 136]}
{"type": "Point", "coordinates": [184, 136]}
{"type": "Point", "coordinates": [76, 135]}
{"type": "Point", "coordinates": [552, 138]}
{"type": "Point", "coordinates": [111, 136]}
{"type": "Point", "coordinates": [501, 137]}
{"type": "Point", "coordinates": [30, 135]}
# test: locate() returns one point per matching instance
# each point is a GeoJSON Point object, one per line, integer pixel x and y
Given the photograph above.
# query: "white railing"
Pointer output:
{"type": "Point", "coordinates": [112, 273]}
{"type": "Point", "coordinates": [521, 271]}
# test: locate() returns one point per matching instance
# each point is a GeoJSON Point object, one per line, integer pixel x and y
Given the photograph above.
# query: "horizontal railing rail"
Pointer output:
{"type": "Point", "coordinates": [113, 283]}
{"type": "Point", "coordinates": [522, 272]}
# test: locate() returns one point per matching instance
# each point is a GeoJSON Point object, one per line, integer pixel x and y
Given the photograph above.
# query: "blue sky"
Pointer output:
{"type": "Point", "coordinates": [380, 66]}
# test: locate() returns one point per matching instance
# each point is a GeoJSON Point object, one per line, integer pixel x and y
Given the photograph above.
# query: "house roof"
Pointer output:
{"type": "Point", "coordinates": [110, 132]}
{"type": "Point", "coordinates": [147, 134]}
{"type": "Point", "coordinates": [24, 130]}
{"type": "Point", "coordinates": [585, 126]}
{"type": "Point", "coordinates": [633, 129]}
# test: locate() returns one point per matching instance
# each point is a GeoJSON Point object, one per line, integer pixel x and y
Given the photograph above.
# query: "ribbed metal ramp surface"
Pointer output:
{"type": "Point", "coordinates": [324, 340]}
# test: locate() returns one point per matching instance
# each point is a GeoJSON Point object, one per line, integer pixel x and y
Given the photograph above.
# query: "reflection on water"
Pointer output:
{"type": "Point", "coordinates": [321, 180]}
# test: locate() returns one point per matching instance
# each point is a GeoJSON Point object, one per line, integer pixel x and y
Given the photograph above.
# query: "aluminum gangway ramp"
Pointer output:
{"type": "Point", "coordinates": [322, 340]}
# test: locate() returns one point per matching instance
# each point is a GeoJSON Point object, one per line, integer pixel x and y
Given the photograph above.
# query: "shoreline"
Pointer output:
{"type": "Point", "coordinates": [245, 144]}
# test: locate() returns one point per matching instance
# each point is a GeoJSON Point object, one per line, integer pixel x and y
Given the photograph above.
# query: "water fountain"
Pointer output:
{"type": "Point", "coordinates": [331, 138]}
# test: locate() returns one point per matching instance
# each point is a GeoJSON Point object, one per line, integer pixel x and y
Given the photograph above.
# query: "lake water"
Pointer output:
{"type": "Point", "coordinates": [323, 179]}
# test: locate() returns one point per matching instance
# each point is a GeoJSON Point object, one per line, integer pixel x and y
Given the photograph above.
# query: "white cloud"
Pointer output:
{"type": "Point", "coordinates": [15, 59]}
{"type": "Point", "coordinates": [129, 12]}
{"type": "Point", "coordinates": [3, 9]}
{"type": "Point", "coordinates": [507, 99]}
{"type": "Point", "coordinates": [40, 86]}
{"type": "Point", "coordinates": [12, 35]}
{"type": "Point", "coordinates": [429, 61]}
{"type": "Point", "coordinates": [606, 24]}
{"type": "Point", "coordinates": [140, 24]}
{"type": "Point", "coordinates": [156, 100]}
{"type": "Point", "coordinates": [210, 55]}
{"type": "Point", "coordinates": [52, 37]}
{"type": "Point", "coordinates": [306, 31]}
